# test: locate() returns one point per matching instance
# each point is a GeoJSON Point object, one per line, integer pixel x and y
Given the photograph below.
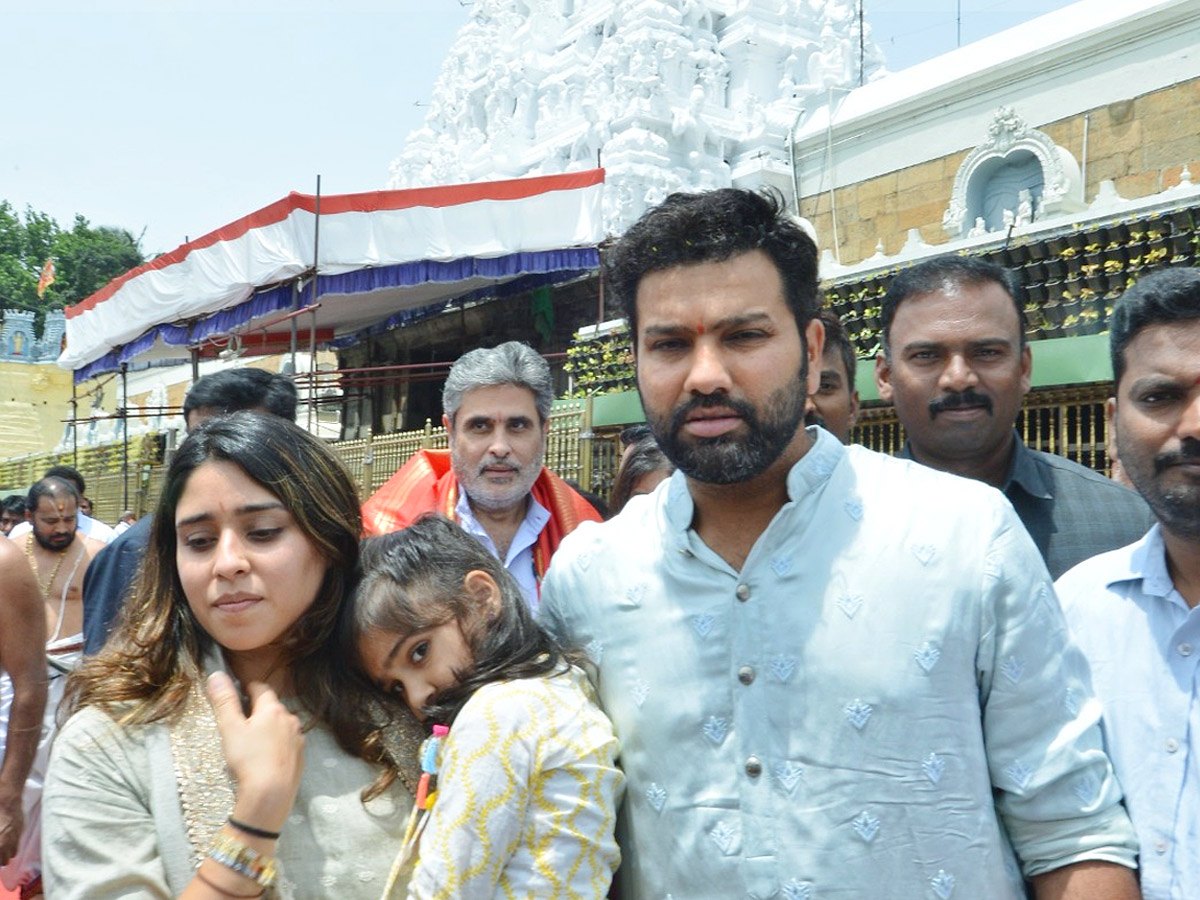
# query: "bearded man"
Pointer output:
{"type": "Point", "coordinates": [832, 673]}
{"type": "Point", "coordinates": [1135, 611]}
{"type": "Point", "coordinates": [496, 405]}
{"type": "Point", "coordinates": [58, 555]}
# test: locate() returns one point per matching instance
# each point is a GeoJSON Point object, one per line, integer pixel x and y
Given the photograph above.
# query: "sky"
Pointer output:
{"type": "Point", "coordinates": [171, 118]}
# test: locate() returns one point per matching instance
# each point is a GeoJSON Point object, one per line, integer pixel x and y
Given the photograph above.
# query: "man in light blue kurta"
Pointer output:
{"type": "Point", "coordinates": [1136, 611]}
{"type": "Point", "coordinates": [833, 674]}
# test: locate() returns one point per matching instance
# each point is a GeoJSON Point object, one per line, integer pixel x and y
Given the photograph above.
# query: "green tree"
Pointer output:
{"type": "Point", "coordinates": [85, 258]}
{"type": "Point", "coordinates": [18, 287]}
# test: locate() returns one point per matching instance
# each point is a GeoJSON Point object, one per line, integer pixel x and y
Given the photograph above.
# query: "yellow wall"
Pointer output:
{"type": "Point", "coordinates": [34, 399]}
{"type": "Point", "coordinates": [1140, 144]}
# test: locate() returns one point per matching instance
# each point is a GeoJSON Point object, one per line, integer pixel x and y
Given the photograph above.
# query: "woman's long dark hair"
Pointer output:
{"type": "Point", "coordinates": [156, 653]}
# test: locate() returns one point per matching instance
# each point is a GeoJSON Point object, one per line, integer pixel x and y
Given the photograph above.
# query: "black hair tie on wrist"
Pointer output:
{"type": "Point", "coordinates": [251, 830]}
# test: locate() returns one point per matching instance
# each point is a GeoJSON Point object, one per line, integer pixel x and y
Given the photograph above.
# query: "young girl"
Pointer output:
{"type": "Point", "coordinates": [527, 788]}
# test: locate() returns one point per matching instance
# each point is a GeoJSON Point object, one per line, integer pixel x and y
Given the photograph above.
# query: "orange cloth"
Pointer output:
{"type": "Point", "coordinates": [426, 483]}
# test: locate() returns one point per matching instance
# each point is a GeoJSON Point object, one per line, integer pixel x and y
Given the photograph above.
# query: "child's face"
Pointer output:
{"type": "Point", "coordinates": [416, 666]}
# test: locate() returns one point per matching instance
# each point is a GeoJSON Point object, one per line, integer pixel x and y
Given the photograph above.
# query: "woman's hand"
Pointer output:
{"type": "Point", "coordinates": [264, 751]}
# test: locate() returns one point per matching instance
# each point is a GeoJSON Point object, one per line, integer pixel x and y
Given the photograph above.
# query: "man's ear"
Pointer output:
{"type": "Point", "coordinates": [447, 424]}
{"type": "Point", "coordinates": [814, 339]}
{"type": "Point", "coordinates": [1116, 470]}
{"type": "Point", "coordinates": [883, 378]}
{"type": "Point", "coordinates": [1026, 368]}
{"type": "Point", "coordinates": [1110, 429]}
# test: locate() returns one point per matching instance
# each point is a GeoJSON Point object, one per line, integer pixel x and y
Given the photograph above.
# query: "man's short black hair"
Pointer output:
{"type": "Point", "coordinates": [837, 339]}
{"type": "Point", "coordinates": [238, 389]}
{"type": "Point", "coordinates": [1168, 295]}
{"type": "Point", "coordinates": [52, 486]}
{"type": "Point", "coordinates": [946, 273]}
{"type": "Point", "coordinates": [15, 504]}
{"type": "Point", "coordinates": [713, 227]}
{"type": "Point", "coordinates": [68, 474]}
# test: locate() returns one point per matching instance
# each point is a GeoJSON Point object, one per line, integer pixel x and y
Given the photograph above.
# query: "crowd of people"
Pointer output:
{"type": "Point", "coordinates": [781, 666]}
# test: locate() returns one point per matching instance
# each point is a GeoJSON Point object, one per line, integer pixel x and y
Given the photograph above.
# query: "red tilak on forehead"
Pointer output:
{"type": "Point", "coordinates": [700, 328]}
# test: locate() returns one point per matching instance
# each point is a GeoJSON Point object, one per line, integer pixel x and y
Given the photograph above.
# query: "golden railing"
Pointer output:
{"type": "Point", "coordinates": [1069, 422]}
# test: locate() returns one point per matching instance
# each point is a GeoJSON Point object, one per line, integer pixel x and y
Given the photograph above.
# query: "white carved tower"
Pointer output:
{"type": "Point", "coordinates": [665, 94]}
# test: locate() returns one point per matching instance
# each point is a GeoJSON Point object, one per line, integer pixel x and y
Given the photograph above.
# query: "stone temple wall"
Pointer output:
{"type": "Point", "coordinates": [1141, 146]}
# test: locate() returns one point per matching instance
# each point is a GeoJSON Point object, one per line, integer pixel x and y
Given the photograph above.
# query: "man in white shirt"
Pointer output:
{"type": "Point", "coordinates": [1136, 611]}
{"type": "Point", "coordinates": [832, 673]}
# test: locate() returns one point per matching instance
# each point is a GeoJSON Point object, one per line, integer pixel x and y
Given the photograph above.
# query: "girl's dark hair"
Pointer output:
{"type": "Point", "coordinates": [156, 652]}
{"type": "Point", "coordinates": [645, 457]}
{"type": "Point", "coordinates": [413, 580]}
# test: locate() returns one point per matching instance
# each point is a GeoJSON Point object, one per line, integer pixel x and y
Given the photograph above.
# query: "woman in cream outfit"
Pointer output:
{"type": "Point", "coordinates": [157, 791]}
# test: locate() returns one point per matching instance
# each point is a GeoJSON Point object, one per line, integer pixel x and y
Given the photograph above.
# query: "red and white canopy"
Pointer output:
{"type": "Point", "coordinates": [380, 253]}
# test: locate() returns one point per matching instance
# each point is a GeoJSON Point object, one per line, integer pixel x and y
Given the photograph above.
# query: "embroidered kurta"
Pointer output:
{"type": "Point", "coordinates": [113, 826]}
{"type": "Point", "coordinates": [527, 797]}
{"type": "Point", "coordinates": [1071, 512]}
{"type": "Point", "coordinates": [1143, 643]}
{"type": "Point", "coordinates": [882, 702]}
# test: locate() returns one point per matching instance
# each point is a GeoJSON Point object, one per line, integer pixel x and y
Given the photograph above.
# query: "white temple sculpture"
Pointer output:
{"type": "Point", "coordinates": [666, 95]}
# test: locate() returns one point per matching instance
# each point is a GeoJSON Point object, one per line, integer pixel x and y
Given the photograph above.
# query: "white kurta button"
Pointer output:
{"type": "Point", "coordinates": [746, 675]}
{"type": "Point", "coordinates": [753, 766]}
{"type": "Point", "coordinates": [743, 592]}
{"type": "Point", "coordinates": [1184, 649]}
{"type": "Point", "coordinates": [1160, 846]}
{"type": "Point", "coordinates": [1172, 745]}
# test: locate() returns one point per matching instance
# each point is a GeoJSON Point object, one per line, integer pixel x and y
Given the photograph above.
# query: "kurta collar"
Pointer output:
{"type": "Point", "coordinates": [809, 472]}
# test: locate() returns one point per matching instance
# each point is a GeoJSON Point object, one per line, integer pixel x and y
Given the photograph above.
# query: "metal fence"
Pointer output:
{"type": "Point", "coordinates": [1069, 422]}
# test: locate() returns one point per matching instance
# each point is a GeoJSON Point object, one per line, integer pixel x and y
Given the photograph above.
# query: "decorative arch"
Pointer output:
{"type": "Point", "coordinates": [1014, 158]}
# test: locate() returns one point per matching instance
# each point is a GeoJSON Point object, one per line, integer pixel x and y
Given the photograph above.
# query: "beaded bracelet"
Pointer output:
{"type": "Point", "coordinates": [233, 854]}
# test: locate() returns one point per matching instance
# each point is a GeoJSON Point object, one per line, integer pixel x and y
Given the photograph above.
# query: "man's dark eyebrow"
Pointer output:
{"type": "Point", "coordinates": [478, 420]}
{"type": "Point", "coordinates": [1155, 382]}
{"type": "Point", "coordinates": [241, 511]}
{"type": "Point", "coordinates": [974, 345]}
{"type": "Point", "coordinates": [734, 321]}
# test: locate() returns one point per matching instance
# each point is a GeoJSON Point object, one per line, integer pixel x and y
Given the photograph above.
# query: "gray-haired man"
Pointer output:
{"type": "Point", "coordinates": [496, 406]}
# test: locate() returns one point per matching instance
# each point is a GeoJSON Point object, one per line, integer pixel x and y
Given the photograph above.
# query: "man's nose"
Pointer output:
{"type": "Point", "coordinates": [1189, 421]}
{"type": "Point", "coordinates": [708, 373]}
{"type": "Point", "coordinates": [500, 446]}
{"type": "Point", "coordinates": [957, 375]}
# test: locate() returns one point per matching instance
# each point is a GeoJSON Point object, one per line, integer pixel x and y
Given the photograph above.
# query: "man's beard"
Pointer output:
{"type": "Point", "coordinates": [483, 494]}
{"type": "Point", "coordinates": [56, 543]}
{"type": "Point", "coordinates": [1176, 506]}
{"type": "Point", "coordinates": [728, 458]}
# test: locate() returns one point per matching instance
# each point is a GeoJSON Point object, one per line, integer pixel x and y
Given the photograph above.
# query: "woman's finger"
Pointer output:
{"type": "Point", "coordinates": [226, 704]}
